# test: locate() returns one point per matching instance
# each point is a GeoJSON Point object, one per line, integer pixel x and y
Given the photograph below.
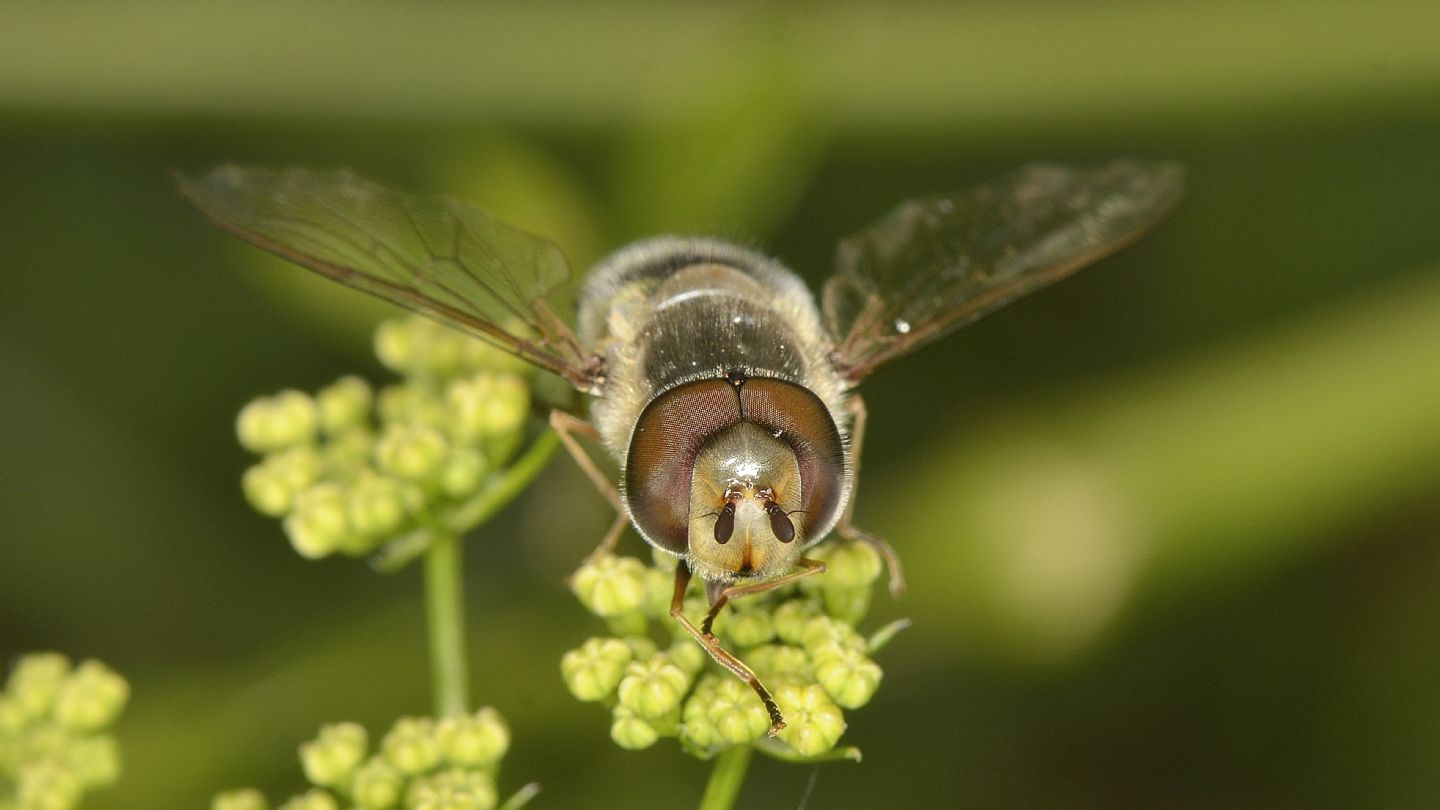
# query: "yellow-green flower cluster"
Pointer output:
{"type": "Point", "coordinates": [800, 640]}
{"type": "Point", "coordinates": [53, 741]}
{"type": "Point", "coordinates": [349, 468]}
{"type": "Point", "coordinates": [420, 764]}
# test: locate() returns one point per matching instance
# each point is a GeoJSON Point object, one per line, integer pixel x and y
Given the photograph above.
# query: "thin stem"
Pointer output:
{"type": "Point", "coordinates": [726, 778]}
{"type": "Point", "coordinates": [445, 613]}
{"type": "Point", "coordinates": [497, 492]}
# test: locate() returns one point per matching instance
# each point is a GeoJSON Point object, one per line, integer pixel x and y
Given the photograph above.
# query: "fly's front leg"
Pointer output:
{"type": "Point", "coordinates": [856, 406]}
{"type": "Point", "coordinates": [808, 568]}
{"type": "Point", "coordinates": [722, 656]}
{"type": "Point", "coordinates": [567, 427]}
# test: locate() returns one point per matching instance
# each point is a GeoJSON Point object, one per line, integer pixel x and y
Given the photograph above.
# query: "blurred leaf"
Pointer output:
{"type": "Point", "coordinates": [732, 160]}
{"type": "Point", "coordinates": [896, 65]}
{"type": "Point", "coordinates": [520, 184]}
{"type": "Point", "coordinates": [1060, 513]}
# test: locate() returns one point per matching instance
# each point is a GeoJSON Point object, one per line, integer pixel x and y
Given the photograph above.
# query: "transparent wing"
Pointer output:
{"type": "Point", "coordinates": [936, 264]}
{"type": "Point", "coordinates": [434, 255]}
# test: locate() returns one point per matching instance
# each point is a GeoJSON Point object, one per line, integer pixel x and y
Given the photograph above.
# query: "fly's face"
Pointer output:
{"type": "Point", "coordinates": [745, 505]}
{"type": "Point", "coordinates": [738, 476]}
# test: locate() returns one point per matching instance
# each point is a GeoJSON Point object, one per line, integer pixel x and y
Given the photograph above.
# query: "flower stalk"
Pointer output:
{"type": "Point", "coordinates": [445, 615]}
{"type": "Point", "coordinates": [726, 778]}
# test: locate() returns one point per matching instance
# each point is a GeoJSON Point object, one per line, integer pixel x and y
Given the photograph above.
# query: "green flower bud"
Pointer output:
{"type": "Point", "coordinates": [813, 722]}
{"type": "Point", "coordinates": [95, 760]}
{"type": "Point", "coordinates": [688, 655]}
{"type": "Point", "coordinates": [666, 725]}
{"type": "Point", "coordinates": [642, 648]}
{"type": "Point", "coordinates": [267, 493]}
{"type": "Point", "coordinates": [411, 746]}
{"type": "Point", "coordinates": [442, 349]}
{"type": "Point", "coordinates": [246, 799]}
{"type": "Point", "coordinates": [593, 671]}
{"type": "Point", "coordinates": [274, 423]}
{"type": "Point", "coordinates": [750, 627]}
{"type": "Point", "coordinates": [377, 785]}
{"type": "Point", "coordinates": [412, 452]}
{"type": "Point", "coordinates": [313, 799]}
{"type": "Point", "coordinates": [482, 356]}
{"type": "Point", "coordinates": [395, 344]}
{"type": "Point", "coordinates": [331, 758]}
{"type": "Point", "coordinates": [737, 717]}
{"type": "Point", "coordinates": [653, 688]}
{"type": "Point", "coordinates": [847, 565]}
{"type": "Point", "coordinates": [319, 524]}
{"type": "Point", "coordinates": [477, 740]}
{"type": "Point", "coordinates": [610, 585]}
{"type": "Point", "coordinates": [510, 404]}
{"type": "Point", "coordinates": [375, 505]}
{"type": "Point", "coordinates": [46, 785]}
{"type": "Point", "coordinates": [350, 451]}
{"type": "Point", "coordinates": [779, 662]}
{"type": "Point", "coordinates": [849, 604]}
{"type": "Point", "coordinates": [453, 789]}
{"type": "Point", "coordinates": [412, 403]}
{"type": "Point", "coordinates": [344, 405]}
{"type": "Point", "coordinates": [46, 740]}
{"type": "Point", "coordinates": [13, 719]}
{"type": "Point", "coordinates": [487, 405]}
{"type": "Point", "coordinates": [35, 681]}
{"type": "Point", "coordinates": [847, 675]}
{"type": "Point", "coordinates": [823, 632]}
{"type": "Point", "coordinates": [422, 347]}
{"type": "Point", "coordinates": [464, 472]}
{"type": "Point", "coordinates": [271, 485]}
{"type": "Point", "coordinates": [630, 731]}
{"type": "Point", "coordinates": [624, 625]}
{"type": "Point", "coordinates": [91, 698]}
{"type": "Point", "coordinates": [697, 733]}
{"type": "Point", "coordinates": [790, 619]}
{"type": "Point", "coordinates": [659, 588]}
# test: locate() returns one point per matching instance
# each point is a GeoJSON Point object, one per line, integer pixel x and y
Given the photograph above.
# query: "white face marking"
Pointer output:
{"type": "Point", "coordinates": [748, 470]}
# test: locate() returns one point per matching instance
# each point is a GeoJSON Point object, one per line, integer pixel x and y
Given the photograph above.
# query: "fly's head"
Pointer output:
{"type": "Point", "coordinates": [736, 477]}
{"type": "Point", "coordinates": [746, 498]}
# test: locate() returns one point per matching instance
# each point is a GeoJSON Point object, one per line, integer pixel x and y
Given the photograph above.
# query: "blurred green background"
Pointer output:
{"type": "Point", "coordinates": [1170, 526]}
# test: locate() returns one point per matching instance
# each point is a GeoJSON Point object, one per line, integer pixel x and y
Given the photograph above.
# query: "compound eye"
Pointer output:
{"type": "Point", "coordinates": [780, 523]}
{"type": "Point", "coordinates": [725, 523]}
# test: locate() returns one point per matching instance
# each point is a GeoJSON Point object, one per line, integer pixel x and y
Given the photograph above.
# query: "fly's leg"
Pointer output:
{"type": "Point", "coordinates": [722, 656]}
{"type": "Point", "coordinates": [719, 600]}
{"type": "Point", "coordinates": [845, 528]}
{"type": "Point", "coordinates": [567, 427]}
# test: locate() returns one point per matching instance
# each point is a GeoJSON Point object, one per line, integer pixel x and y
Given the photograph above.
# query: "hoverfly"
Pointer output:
{"type": "Point", "coordinates": [724, 393]}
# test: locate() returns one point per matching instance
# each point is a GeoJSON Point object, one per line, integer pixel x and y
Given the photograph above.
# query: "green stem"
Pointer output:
{"type": "Point", "coordinates": [497, 492]}
{"type": "Point", "coordinates": [726, 778]}
{"type": "Point", "coordinates": [445, 613]}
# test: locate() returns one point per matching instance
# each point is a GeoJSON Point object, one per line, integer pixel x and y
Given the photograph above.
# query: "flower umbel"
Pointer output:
{"type": "Point", "coordinates": [801, 641]}
{"type": "Point", "coordinates": [53, 722]}
{"type": "Point", "coordinates": [420, 764]}
{"type": "Point", "coordinates": [350, 469]}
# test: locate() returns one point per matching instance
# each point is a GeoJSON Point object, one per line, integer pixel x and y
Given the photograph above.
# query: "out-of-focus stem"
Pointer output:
{"type": "Point", "coordinates": [726, 778]}
{"type": "Point", "coordinates": [445, 613]}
